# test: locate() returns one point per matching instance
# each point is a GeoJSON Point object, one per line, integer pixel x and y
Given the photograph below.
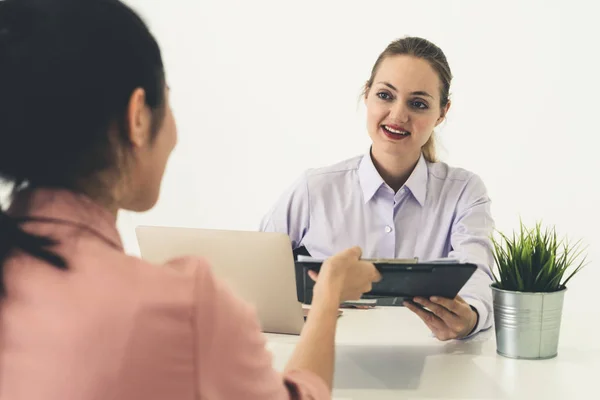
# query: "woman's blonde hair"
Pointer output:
{"type": "Point", "coordinates": [420, 48]}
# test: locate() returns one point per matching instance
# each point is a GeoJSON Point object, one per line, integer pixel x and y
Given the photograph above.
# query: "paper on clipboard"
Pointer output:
{"type": "Point", "coordinates": [415, 260]}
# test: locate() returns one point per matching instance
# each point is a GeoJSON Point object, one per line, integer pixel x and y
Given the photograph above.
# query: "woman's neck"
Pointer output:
{"type": "Point", "coordinates": [101, 193]}
{"type": "Point", "coordinates": [106, 202]}
{"type": "Point", "coordinates": [394, 170]}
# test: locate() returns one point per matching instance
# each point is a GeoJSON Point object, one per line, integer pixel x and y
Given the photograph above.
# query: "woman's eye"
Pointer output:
{"type": "Point", "coordinates": [419, 105]}
{"type": "Point", "coordinates": [384, 96]}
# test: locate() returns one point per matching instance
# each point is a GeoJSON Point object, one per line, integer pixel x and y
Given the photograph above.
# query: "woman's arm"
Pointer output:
{"type": "Point", "coordinates": [232, 359]}
{"type": "Point", "coordinates": [471, 242]}
{"type": "Point", "coordinates": [470, 235]}
{"type": "Point", "coordinates": [343, 277]}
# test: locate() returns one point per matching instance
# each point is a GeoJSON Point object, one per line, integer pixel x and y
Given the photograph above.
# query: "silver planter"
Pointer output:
{"type": "Point", "coordinates": [527, 324]}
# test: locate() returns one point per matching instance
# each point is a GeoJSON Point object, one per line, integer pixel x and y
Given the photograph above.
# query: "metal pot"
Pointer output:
{"type": "Point", "coordinates": [527, 324]}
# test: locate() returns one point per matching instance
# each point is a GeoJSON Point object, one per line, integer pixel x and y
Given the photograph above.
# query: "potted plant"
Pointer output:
{"type": "Point", "coordinates": [529, 288]}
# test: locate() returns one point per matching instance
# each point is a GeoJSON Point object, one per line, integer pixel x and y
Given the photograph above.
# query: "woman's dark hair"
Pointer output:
{"type": "Point", "coordinates": [68, 69]}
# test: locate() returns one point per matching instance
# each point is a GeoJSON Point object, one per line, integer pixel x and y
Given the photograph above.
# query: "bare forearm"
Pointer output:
{"type": "Point", "coordinates": [342, 277]}
{"type": "Point", "coordinates": [315, 350]}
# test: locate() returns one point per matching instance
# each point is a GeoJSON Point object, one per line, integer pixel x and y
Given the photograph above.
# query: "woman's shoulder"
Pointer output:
{"type": "Point", "coordinates": [446, 177]}
{"type": "Point", "coordinates": [324, 178]}
{"type": "Point", "coordinates": [179, 269]}
{"type": "Point", "coordinates": [327, 172]}
{"type": "Point", "coordinates": [337, 168]}
{"type": "Point", "coordinates": [443, 171]}
{"type": "Point", "coordinates": [173, 281]}
{"type": "Point", "coordinates": [331, 175]}
{"type": "Point", "coordinates": [184, 285]}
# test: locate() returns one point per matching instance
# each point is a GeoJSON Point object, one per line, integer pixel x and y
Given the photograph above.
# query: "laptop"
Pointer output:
{"type": "Point", "coordinates": [258, 266]}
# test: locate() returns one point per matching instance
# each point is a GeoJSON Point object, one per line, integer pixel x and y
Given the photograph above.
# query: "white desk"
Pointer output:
{"type": "Point", "coordinates": [388, 353]}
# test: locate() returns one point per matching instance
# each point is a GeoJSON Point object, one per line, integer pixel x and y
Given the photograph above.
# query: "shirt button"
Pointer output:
{"type": "Point", "coordinates": [388, 229]}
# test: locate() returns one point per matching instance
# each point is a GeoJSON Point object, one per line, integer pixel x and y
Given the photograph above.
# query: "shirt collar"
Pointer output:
{"type": "Point", "coordinates": [369, 178]}
{"type": "Point", "coordinates": [417, 181]}
{"type": "Point", "coordinates": [62, 205]}
{"type": "Point", "coordinates": [371, 181]}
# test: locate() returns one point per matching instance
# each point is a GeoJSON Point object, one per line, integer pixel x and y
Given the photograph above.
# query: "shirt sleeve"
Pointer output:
{"type": "Point", "coordinates": [232, 361]}
{"type": "Point", "coordinates": [291, 213]}
{"type": "Point", "coordinates": [471, 242]}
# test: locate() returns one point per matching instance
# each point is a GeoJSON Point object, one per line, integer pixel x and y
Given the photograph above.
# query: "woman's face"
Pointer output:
{"type": "Point", "coordinates": [403, 106]}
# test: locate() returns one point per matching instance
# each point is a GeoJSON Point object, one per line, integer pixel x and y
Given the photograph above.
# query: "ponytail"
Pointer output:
{"type": "Point", "coordinates": [429, 151]}
{"type": "Point", "coordinates": [13, 237]}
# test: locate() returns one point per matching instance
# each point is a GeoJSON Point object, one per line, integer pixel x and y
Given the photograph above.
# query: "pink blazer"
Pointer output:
{"type": "Point", "coordinates": [114, 327]}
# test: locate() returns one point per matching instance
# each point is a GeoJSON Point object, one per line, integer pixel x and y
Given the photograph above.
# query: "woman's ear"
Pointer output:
{"type": "Point", "coordinates": [138, 118]}
{"type": "Point", "coordinates": [443, 113]}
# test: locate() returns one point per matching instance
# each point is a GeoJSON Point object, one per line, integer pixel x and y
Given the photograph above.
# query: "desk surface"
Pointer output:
{"type": "Point", "coordinates": [388, 353]}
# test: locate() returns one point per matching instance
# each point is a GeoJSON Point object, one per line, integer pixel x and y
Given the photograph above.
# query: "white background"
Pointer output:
{"type": "Point", "coordinates": [265, 89]}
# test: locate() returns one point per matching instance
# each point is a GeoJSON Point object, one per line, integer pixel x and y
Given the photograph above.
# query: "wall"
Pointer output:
{"type": "Point", "coordinates": [265, 89]}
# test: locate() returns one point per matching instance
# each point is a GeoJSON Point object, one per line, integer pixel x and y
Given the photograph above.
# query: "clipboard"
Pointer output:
{"type": "Point", "coordinates": [402, 279]}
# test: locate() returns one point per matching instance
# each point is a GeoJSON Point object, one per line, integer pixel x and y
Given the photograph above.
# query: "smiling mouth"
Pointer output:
{"type": "Point", "coordinates": [395, 132]}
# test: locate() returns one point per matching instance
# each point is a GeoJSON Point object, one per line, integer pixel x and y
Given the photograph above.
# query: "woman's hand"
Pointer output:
{"type": "Point", "coordinates": [447, 318]}
{"type": "Point", "coordinates": [342, 277]}
{"type": "Point", "coordinates": [345, 275]}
